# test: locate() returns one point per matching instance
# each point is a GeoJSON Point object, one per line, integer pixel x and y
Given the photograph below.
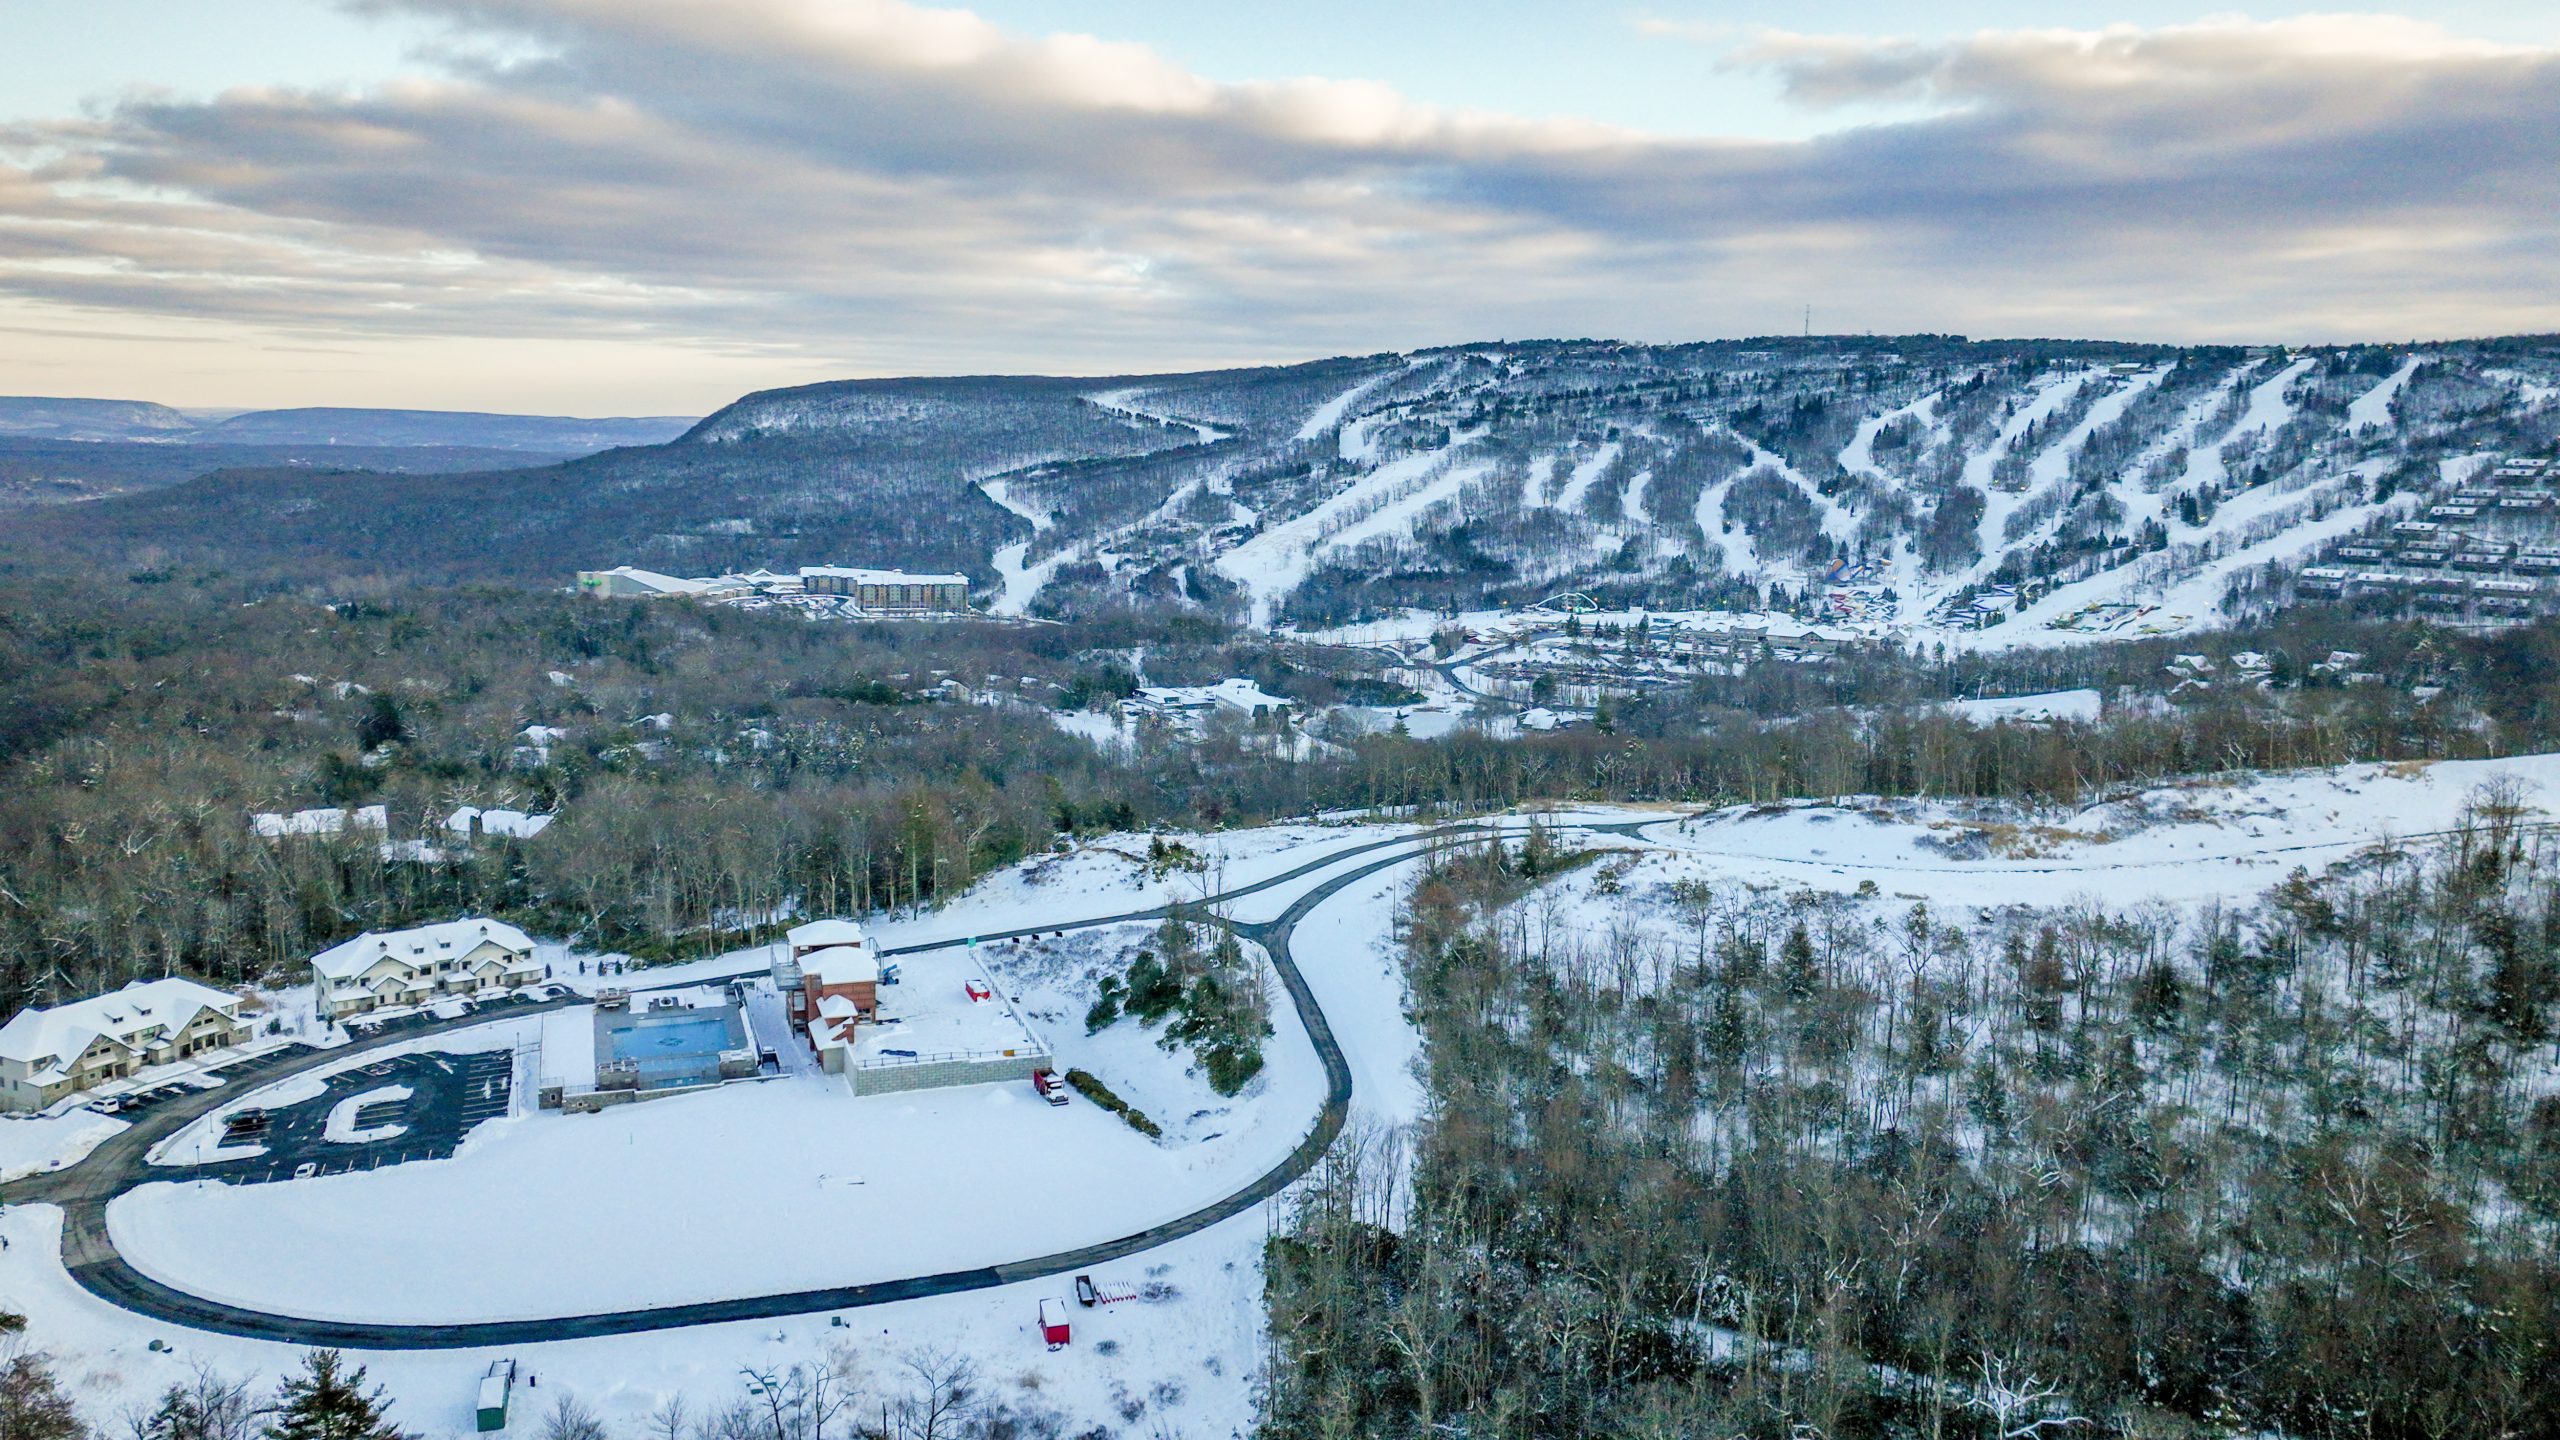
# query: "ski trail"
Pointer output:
{"type": "Point", "coordinates": [1979, 465]}
{"type": "Point", "coordinates": [1586, 472]}
{"type": "Point", "coordinates": [2267, 410]}
{"type": "Point", "coordinates": [2373, 407]}
{"type": "Point", "coordinates": [1858, 457]}
{"type": "Point", "coordinates": [1741, 557]}
{"type": "Point", "coordinates": [1124, 402]}
{"type": "Point", "coordinates": [1021, 582]}
{"type": "Point", "coordinates": [1631, 504]}
{"type": "Point", "coordinates": [1330, 413]}
{"type": "Point", "coordinates": [1837, 523]}
{"type": "Point", "coordinates": [1533, 491]}
{"type": "Point", "coordinates": [1272, 564]}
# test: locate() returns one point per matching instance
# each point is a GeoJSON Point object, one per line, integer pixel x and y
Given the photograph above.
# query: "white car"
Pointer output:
{"type": "Point", "coordinates": [306, 1169]}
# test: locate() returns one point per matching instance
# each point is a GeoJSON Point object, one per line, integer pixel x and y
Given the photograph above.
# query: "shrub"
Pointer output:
{"type": "Point", "coordinates": [1100, 1094]}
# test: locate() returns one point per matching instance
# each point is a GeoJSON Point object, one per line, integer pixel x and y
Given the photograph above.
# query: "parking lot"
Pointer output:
{"type": "Point", "coordinates": [369, 1027]}
{"type": "Point", "coordinates": [449, 1094]}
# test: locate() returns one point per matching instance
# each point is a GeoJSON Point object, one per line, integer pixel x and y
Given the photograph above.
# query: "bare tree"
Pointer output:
{"type": "Point", "coordinates": [943, 1393]}
{"type": "Point", "coordinates": [207, 1406]}
{"type": "Point", "coordinates": [571, 1419]}
{"type": "Point", "coordinates": [2021, 1406]}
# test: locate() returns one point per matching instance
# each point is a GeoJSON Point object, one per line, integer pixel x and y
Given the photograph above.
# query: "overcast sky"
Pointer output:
{"type": "Point", "coordinates": [640, 206]}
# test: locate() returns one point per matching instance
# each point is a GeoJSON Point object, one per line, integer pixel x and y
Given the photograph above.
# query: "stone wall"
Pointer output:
{"type": "Point", "coordinates": [935, 1074]}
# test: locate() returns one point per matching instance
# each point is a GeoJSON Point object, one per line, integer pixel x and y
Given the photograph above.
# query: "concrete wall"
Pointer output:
{"type": "Point", "coordinates": [935, 1074]}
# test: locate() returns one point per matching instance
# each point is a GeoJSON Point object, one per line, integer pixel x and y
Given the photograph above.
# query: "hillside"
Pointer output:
{"type": "Point", "coordinates": [36, 417]}
{"type": "Point", "coordinates": [2003, 491]}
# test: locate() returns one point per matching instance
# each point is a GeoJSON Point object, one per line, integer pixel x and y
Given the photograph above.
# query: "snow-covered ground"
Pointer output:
{"type": "Point", "coordinates": [33, 1143]}
{"type": "Point", "coordinates": [341, 1127]}
{"type": "Point", "coordinates": [2051, 705]}
{"type": "Point", "coordinates": [2196, 841]}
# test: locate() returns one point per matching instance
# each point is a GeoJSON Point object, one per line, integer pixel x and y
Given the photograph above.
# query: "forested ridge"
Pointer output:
{"type": "Point", "coordinates": [715, 769]}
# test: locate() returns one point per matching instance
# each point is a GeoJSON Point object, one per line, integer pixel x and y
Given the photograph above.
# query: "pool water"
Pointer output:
{"type": "Point", "coordinates": [672, 1047]}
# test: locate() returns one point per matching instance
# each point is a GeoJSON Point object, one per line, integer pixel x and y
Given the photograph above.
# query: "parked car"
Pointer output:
{"type": "Point", "coordinates": [306, 1170]}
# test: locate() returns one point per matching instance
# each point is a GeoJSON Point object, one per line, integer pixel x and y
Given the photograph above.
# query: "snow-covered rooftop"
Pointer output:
{"type": "Point", "coordinates": [862, 576]}
{"type": "Point", "coordinates": [326, 821]}
{"type": "Point", "coordinates": [515, 823]}
{"type": "Point", "coordinates": [840, 965]}
{"type": "Point", "coordinates": [45, 1039]}
{"type": "Point", "coordinates": [449, 940]}
{"type": "Point", "coordinates": [823, 933]}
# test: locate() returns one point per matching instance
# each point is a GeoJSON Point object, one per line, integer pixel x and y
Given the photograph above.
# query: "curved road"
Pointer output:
{"type": "Point", "coordinates": [84, 1190]}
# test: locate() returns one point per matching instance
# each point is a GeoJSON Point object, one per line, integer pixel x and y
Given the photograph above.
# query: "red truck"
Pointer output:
{"type": "Point", "coordinates": [1051, 1088]}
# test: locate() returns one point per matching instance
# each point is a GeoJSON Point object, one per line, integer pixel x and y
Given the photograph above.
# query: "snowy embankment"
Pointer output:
{"type": "Point", "coordinates": [33, 1143]}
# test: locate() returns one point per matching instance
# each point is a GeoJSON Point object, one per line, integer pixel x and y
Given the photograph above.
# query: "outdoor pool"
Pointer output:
{"type": "Point", "coordinates": [670, 1047]}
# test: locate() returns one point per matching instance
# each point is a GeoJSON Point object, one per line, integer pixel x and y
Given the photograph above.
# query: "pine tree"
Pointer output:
{"type": "Point", "coordinates": [325, 1402]}
{"type": "Point", "coordinates": [32, 1405]}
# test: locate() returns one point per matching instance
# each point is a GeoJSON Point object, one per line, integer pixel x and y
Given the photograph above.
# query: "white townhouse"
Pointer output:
{"type": "Point", "coordinates": [410, 967]}
{"type": "Point", "coordinates": [47, 1054]}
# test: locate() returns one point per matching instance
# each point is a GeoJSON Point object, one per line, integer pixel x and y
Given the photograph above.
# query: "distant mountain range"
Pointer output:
{"type": "Point", "coordinates": [1918, 486]}
{"type": "Point", "coordinates": [41, 418]}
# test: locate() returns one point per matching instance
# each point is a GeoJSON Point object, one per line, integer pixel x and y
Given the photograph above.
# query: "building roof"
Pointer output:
{"type": "Point", "coordinates": [840, 965]}
{"type": "Point", "coordinates": [329, 821]}
{"type": "Point", "coordinates": [1245, 695]}
{"type": "Point", "coordinates": [49, 1039]}
{"type": "Point", "coordinates": [862, 576]}
{"type": "Point", "coordinates": [514, 823]}
{"type": "Point", "coordinates": [450, 940]}
{"type": "Point", "coordinates": [653, 580]}
{"type": "Point", "coordinates": [818, 934]}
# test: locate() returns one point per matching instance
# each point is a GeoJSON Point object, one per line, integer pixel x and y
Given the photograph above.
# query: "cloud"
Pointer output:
{"type": "Point", "coordinates": [883, 186]}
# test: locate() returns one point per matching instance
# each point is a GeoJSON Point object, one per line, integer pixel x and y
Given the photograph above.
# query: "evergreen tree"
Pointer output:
{"type": "Point", "coordinates": [32, 1406]}
{"type": "Point", "coordinates": [325, 1402]}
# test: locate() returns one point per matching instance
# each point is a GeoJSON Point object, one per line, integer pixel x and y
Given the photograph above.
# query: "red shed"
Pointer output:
{"type": "Point", "coordinates": [1053, 1323]}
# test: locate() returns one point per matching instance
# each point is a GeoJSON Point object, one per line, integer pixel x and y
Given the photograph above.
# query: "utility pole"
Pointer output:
{"type": "Point", "coordinates": [1808, 322]}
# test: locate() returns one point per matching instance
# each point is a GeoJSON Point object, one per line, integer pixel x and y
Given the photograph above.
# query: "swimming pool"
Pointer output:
{"type": "Point", "coordinates": [670, 1047]}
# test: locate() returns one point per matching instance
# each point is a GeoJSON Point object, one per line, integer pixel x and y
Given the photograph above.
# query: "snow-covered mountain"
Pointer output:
{"type": "Point", "coordinates": [1909, 483]}
{"type": "Point", "coordinates": [1986, 492]}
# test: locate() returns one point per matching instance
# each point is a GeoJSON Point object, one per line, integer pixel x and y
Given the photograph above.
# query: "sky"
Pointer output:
{"type": "Point", "coordinates": [652, 206]}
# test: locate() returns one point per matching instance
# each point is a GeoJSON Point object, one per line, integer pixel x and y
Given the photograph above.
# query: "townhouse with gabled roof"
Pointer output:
{"type": "Point", "coordinates": [49, 1053]}
{"type": "Point", "coordinates": [380, 970]}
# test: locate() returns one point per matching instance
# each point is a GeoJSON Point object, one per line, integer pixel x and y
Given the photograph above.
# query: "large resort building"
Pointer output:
{"type": "Point", "coordinates": [889, 592]}
{"type": "Point", "coordinates": [863, 591]}
{"type": "Point", "coordinates": [47, 1054]}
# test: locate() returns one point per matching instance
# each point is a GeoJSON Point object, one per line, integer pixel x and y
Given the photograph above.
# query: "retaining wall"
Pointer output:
{"type": "Point", "coordinates": [934, 1074]}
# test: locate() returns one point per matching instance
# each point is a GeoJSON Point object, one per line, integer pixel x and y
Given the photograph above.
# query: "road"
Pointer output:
{"type": "Point", "coordinates": [84, 1190]}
